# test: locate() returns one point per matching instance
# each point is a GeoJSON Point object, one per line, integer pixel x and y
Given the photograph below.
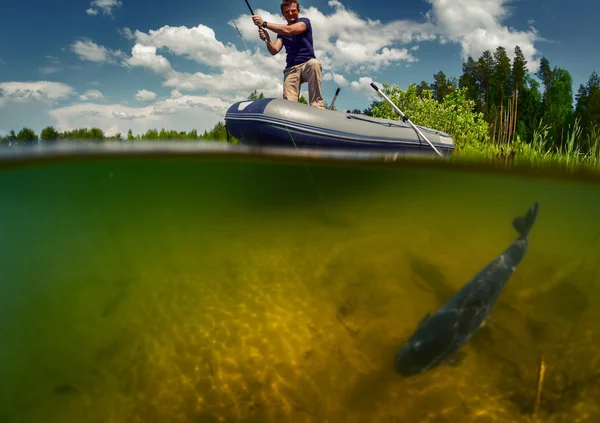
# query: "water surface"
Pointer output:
{"type": "Point", "coordinates": [209, 289]}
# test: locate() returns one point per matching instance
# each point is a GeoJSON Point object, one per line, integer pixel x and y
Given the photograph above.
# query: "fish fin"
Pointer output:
{"type": "Point", "coordinates": [523, 224]}
{"type": "Point", "coordinates": [455, 359]}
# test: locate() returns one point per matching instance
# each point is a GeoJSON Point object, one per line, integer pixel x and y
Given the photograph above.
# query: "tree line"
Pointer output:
{"type": "Point", "coordinates": [515, 102]}
{"type": "Point", "coordinates": [49, 134]}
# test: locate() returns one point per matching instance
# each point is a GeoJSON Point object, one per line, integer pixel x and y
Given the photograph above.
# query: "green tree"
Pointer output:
{"type": "Point", "coordinates": [151, 134]}
{"type": "Point", "coordinates": [369, 110]}
{"type": "Point", "coordinates": [49, 134]}
{"type": "Point", "coordinates": [218, 133]}
{"type": "Point", "coordinates": [502, 74]}
{"type": "Point", "coordinates": [11, 138]}
{"type": "Point", "coordinates": [588, 103]}
{"type": "Point", "coordinates": [255, 96]}
{"type": "Point", "coordinates": [26, 135]}
{"type": "Point", "coordinates": [130, 136]}
{"type": "Point", "coordinates": [423, 86]}
{"type": "Point", "coordinates": [193, 134]}
{"type": "Point", "coordinates": [558, 107]}
{"type": "Point", "coordinates": [452, 83]}
{"type": "Point", "coordinates": [530, 108]}
{"type": "Point", "coordinates": [440, 86]}
{"type": "Point", "coordinates": [544, 74]}
{"type": "Point", "coordinates": [115, 137]}
{"type": "Point", "coordinates": [96, 134]}
{"type": "Point", "coordinates": [485, 81]}
{"type": "Point", "coordinates": [519, 70]}
{"type": "Point", "coordinates": [468, 80]}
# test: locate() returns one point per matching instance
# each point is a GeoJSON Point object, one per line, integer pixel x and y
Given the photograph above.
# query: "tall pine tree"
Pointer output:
{"type": "Point", "coordinates": [519, 70]}
{"type": "Point", "coordinates": [502, 73]}
{"type": "Point", "coordinates": [484, 76]}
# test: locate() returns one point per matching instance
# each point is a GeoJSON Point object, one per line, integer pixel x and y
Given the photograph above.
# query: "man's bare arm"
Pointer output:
{"type": "Point", "coordinates": [273, 47]}
{"type": "Point", "coordinates": [293, 29]}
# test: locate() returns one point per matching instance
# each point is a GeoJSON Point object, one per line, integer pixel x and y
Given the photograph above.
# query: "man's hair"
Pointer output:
{"type": "Point", "coordinates": [285, 3]}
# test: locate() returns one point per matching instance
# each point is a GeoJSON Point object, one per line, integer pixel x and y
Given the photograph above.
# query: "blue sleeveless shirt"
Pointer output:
{"type": "Point", "coordinates": [299, 48]}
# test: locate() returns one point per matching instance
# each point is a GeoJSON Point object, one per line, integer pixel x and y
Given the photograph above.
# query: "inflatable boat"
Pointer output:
{"type": "Point", "coordinates": [272, 122]}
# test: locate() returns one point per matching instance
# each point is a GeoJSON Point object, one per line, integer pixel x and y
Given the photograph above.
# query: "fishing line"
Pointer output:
{"type": "Point", "coordinates": [310, 175]}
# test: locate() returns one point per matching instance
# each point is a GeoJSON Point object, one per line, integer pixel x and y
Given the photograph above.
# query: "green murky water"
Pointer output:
{"type": "Point", "coordinates": [172, 289]}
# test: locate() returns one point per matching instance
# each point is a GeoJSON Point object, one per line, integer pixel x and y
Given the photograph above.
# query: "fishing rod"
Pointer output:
{"type": "Point", "coordinates": [404, 117]}
{"type": "Point", "coordinates": [249, 7]}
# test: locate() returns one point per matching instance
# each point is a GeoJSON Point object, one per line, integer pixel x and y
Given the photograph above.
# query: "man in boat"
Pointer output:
{"type": "Point", "coordinates": [301, 63]}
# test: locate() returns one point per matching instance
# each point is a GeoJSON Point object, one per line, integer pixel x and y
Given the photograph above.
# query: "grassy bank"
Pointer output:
{"type": "Point", "coordinates": [578, 151]}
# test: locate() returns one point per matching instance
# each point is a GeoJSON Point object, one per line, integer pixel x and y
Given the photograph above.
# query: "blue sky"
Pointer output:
{"type": "Point", "coordinates": [132, 64]}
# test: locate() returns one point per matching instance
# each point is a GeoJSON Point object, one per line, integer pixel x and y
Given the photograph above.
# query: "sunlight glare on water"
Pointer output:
{"type": "Point", "coordinates": [222, 289]}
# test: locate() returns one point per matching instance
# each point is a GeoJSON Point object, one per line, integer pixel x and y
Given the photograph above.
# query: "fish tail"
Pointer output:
{"type": "Point", "coordinates": [523, 224]}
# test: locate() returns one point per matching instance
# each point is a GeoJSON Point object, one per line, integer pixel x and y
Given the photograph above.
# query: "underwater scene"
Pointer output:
{"type": "Point", "coordinates": [199, 288]}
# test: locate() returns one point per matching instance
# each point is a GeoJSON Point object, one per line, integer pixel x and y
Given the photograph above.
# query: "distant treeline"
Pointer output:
{"type": "Point", "coordinates": [27, 135]}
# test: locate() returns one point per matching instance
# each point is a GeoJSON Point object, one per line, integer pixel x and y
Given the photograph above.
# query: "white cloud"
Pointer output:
{"type": "Point", "coordinates": [234, 70]}
{"type": "Point", "coordinates": [363, 87]}
{"type": "Point", "coordinates": [145, 95]}
{"type": "Point", "coordinates": [91, 95]}
{"type": "Point", "coordinates": [104, 6]}
{"type": "Point", "coordinates": [89, 51]}
{"type": "Point", "coordinates": [183, 114]}
{"type": "Point", "coordinates": [45, 91]}
{"type": "Point", "coordinates": [27, 104]}
{"type": "Point", "coordinates": [53, 59]}
{"type": "Point", "coordinates": [200, 44]}
{"type": "Point", "coordinates": [145, 56]}
{"type": "Point", "coordinates": [232, 80]}
{"type": "Point", "coordinates": [46, 70]}
{"type": "Point", "coordinates": [337, 45]}
{"type": "Point", "coordinates": [127, 33]}
{"type": "Point", "coordinates": [476, 26]}
{"type": "Point", "coordinates": [336, 77]}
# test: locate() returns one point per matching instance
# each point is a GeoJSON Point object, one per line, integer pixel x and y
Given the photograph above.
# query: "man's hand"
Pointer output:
{"type": "Point", "coordinates": [263, 35]}
{"type": "Point", "coordinates": [258, 21]}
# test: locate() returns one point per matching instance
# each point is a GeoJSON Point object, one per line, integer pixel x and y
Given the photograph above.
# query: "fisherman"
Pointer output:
{"type": "Point", "coordinates": [301, 63]}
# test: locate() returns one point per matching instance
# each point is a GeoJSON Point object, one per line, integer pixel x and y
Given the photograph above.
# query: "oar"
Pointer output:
{"type": "Point", "coordinates": [376, 88]}
{"type": "Point", "coordinates": [334, 97]}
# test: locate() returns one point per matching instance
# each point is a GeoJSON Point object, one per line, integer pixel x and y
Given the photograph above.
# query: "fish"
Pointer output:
{"type": "Point", "coordinates": [441, 334]}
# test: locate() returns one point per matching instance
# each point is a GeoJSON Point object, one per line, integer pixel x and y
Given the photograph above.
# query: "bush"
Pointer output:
{"type": "Point", "coordinates": [455, 115]}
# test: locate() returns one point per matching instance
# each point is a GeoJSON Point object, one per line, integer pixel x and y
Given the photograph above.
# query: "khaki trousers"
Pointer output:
{"type": "Point", "coordinates": [294, 76]}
